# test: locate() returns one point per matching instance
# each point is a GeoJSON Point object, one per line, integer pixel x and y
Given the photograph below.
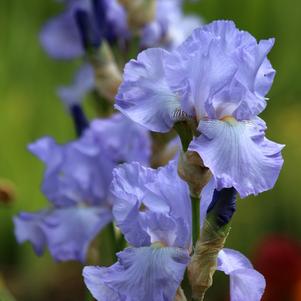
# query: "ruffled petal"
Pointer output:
{"type": "Point", "coordinates": [230, 260]}
{"type": "Point", "coordinates": [220, 69]}
{"type": "Point", "coordinates": [80, 171]}
{"type": "Point", "coordinates": [95, 280]}
{"type": "Point", "coordinates": [28, 228]}
{"type": "Point", "coordinates": [60, 37]}
{"type": "Point", "coordinates": [128, 188]}
{"type": "Point", "coordinates": [69, 231]}
{"type": "Point", "coordinates": [45, 149]}
{"type": "Point", "coordinates": [245, 283]}
{"type": "Point", "coordinates": [238, 155]}
{"type": "Point", "coordinates": [84, 82]}
{"type": "Point", "coordinates": [255, 71]}
{"type": "Point", "coordinates": [125, 146]}
{"type": "Point", "coordinates": [166, 188]}
{"type": "Point", "coordinates": [144, 95]}
{"type": "Point", "coordinates": [200, 72]}
{"type": "Point", "coordinates": [147, 273]}
{"type": "Point", "coordinates": [254, 78]}
{"type": "Point", "coordinates": [145, 212]}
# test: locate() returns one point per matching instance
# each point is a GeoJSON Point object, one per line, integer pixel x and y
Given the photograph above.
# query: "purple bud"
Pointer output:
{"type": "Point", "coordinates": [223, 205]}
{"type": "Point", "coordinates": [80, 120]}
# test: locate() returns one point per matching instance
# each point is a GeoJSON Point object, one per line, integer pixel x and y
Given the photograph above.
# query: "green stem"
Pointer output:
{"type": "Point", "coordinates": [184, 133]}
{"type": "Point", "coordinates": [195, 205]}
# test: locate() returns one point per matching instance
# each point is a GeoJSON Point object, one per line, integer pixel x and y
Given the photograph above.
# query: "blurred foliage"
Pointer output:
{"type": "Point", "coordinates": [29, 109]}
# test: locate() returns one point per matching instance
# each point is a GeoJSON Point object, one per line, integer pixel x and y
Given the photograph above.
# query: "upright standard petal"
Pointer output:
{"type": "Point", "coordinates": [132, 144]}
{"type": "Point", "coordinates": [152, 204]}
{"type": "Point", "coordinates": [220, 68]}
{"type": "Point", "coordinates": [245, 283]}
{"type": "Point", "coordinates": [128, 188]}
{"type": "Point", "coordinates": [79, 171]}
{"type": "Point", "coordinates": [144, 95]}
{"type": "Point", "coordinates": [238, 155]}
{"type": "Point", "coordinates": [147, 273]}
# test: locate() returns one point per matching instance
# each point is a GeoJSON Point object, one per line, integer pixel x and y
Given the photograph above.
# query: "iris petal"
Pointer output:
{"type": "Point", "coordinates": [60, 37]}
{"type": "Point", "coordinates": [28, 228]}
{"type": "Point", "coordinates": [147, 273]}
{"type": "Point", "coordinates": [67, 231]}
{"type": "Point", "coordinates": [221, 68]}
{"type": "Point", "coordinates": [144, 95]}
{"type": "Point", "coordinates": [245, 283]}
{"type": "Point", "coordinates": [238, 155]}
{"type": "Point", "coordinates": [144, 211]}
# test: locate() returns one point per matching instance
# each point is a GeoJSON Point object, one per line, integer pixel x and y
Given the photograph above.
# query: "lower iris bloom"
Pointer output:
{"type": "Point", "coordinates": [76, 182]}
{"type": "Point", "coordinates": [217, 79]}
{"type": "Point", "coordinates": [152, 210]}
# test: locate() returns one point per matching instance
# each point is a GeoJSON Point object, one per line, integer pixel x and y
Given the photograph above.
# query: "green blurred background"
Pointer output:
{"type": "Point", "coordinates": [29, 109]}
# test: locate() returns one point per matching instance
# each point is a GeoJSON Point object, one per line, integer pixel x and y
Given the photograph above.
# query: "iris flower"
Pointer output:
{"type": "Point", "coordinates": [218, 78]}
{"type": "Point", "coordinates": [76, 182]}
{"type": "Point", "coordinates": [152, 209]}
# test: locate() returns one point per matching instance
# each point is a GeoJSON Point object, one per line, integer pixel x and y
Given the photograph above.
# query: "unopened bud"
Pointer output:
{"type": "Point", "coordinates": [204, 260]}
{"type": "Point", "coordinates": [192, 170]}
{"type": "Point", "coordinates": [80, 120]}
{"type": "Point", "coordinates": [107, 74]}
{"type": "Point", "coordinates": [140, 12]}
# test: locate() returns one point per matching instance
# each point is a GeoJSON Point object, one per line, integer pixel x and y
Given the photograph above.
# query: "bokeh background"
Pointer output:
{"type": "Point", "coordinates": [267, 228]}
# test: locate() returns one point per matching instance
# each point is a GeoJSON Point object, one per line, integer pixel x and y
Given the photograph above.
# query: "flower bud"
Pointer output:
{"type": "Point", "coordinates": [107, 73]}
{"type": "Point", "coordinates": [204, 260]}
{"type": "Point", "coordinates": [192, 170]}
{"type": "Point", "coordinates": [140, 12]}
{"type": "Point", "coordinates": [80, 120]}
